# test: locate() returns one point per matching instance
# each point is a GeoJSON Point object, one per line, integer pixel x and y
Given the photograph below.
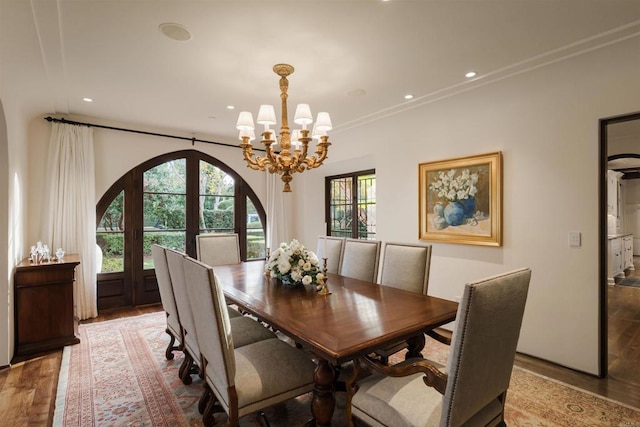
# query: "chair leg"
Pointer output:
{"type": "Point", "coordinates": [206, 396]}
{"type": "Point", "coordinates": [171, 347]}
{"type": "Point", "coordinates": [186, 369]}
{"type": "Point", "coordinates": [263, 417]}
{"type": "Point", "coordinates": [208, 420]}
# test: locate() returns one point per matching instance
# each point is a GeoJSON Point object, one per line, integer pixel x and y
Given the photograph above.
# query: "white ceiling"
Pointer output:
{"type": "Point", "coordinates": [55, 52]}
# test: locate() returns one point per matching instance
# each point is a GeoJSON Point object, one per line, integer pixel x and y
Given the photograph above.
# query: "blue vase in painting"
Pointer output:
{"type": "Point", "coordinates": [469, 206]}
{"type": "Point", "coordinates": [454, 213]}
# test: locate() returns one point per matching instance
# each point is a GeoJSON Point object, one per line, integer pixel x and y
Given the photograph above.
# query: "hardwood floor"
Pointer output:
{"type": "Point", "coordinates": [28, 389]}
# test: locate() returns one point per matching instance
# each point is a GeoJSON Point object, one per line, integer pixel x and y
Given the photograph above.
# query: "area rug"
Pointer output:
{"type": "Point", "coordinates": [118, 376]}
{"type": "Point", "coordinates": [630, 281]}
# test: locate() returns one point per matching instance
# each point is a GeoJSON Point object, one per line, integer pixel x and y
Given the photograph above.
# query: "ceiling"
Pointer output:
{"type": "Point", "coordinates": [356, 59]}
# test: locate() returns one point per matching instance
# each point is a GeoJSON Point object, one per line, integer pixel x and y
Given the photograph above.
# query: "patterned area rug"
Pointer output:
{"type": "Point", "coordinates": [118, 376]}
{"type": "Point", "coordinates": [630, 281]}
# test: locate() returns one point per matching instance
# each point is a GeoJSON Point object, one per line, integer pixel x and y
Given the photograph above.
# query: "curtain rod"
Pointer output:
{"type": "Point", "coordinates": [164, 135]}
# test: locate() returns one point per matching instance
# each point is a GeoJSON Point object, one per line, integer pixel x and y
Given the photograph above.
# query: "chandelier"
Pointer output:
{"type": "Point", "coordinates": [292, 156]}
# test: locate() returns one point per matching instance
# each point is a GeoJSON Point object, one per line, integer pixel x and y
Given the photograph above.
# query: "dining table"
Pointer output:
{"type": "Point", "coordinates": [355, 319]}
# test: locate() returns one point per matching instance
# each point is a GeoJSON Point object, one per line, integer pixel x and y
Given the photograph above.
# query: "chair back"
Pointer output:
{"type": "Point", "coordinates": [406, 266]}
{"type": "Point", "coordinates": [218, 249]}
{"type": "Point", "coordinates": [360, 259]}
{"type": "Point", "coordinates": [334, 247]}
{"type": "Point", "coordinates": [212, 326]}
{"type": "Point", "coordinates": [483, 345]}
{"type": "Point", "coordinates": [166, 289]}
{"type": "Point", "coordinates": [175, 261]}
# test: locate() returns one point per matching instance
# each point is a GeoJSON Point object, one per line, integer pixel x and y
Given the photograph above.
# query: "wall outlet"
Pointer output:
{"type": "Point", "coordinates": [575, 238]}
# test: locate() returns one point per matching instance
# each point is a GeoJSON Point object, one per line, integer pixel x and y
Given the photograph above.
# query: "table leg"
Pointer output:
{"type": "Point", "coordinates": [416, 344]}
{"type": "Point", "coordinates": [324, 400]}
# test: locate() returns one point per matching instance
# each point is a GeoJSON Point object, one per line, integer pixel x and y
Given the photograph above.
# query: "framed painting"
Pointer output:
{"type": "Point", "coordinates": [460, 200]}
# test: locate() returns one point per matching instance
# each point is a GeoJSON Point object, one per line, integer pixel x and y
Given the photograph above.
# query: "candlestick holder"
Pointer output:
{"type": "Point", "coordinates": [323, 282]}
{"type": "Point", "coordinates": [267, 273]}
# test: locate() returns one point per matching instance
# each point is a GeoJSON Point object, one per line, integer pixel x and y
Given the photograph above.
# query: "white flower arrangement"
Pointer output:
{"type": "Point", "coordinates": [293, 263]}
{"type": "Point", "coordinates": [454, 188]}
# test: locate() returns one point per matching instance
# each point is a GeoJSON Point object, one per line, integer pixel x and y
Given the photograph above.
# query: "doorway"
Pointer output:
{"type": "Point", "coordinates": [618, 135]}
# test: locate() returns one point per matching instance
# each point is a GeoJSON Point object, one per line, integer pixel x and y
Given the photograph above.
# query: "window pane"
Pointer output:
{"type": "Point", "coordinates": [217, 214]}
{"type": "Point", "coordinates": [214, 181]}
{"type": "Point", "coordinates": [367, 207]}
{"type": "Point", "coordinates": [255, 234]}
{"type": "Point", "coordinates": [169, 177]}
{"type": "Point", "coordinates": [164, 211]}
{"type": "Point", "coordinates": [217, 204]}
{"type": "Point", "coordinates": [164, 207]}
{"type": "Point", "coordinates": [340, 207]}
{"type": "Point", "coordinates": [170, 239]}
{"type": "Point", "coordinates": [110, 236]}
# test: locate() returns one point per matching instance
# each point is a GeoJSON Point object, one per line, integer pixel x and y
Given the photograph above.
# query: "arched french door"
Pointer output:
{"type": "Point", "coordinates": [169, 200]}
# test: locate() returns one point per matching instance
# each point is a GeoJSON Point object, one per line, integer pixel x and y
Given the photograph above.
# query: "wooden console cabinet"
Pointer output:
{"type": "Point", "coordinates": [43, 296]}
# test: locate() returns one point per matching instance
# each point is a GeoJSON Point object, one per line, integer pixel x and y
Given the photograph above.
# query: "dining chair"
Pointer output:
{"type": "Point", "coordinates": [190, 344]}
{"type": "Point", "coordinates": [246, 329]}
{"type": "Point", "coordinates": [471, 389]}
{"type": "Point", "coordinates": [174, 329]}
{"type": "Point", "coordinates": [404, 266]}
{"type": "Point", "coordinates": [334, 247]}
{"type": "Point", "coordinates": [360, 259]}
{"type": "Point", "coordinates": [218, 249]}
{"type": "Point", "coordinates": [240, 380]}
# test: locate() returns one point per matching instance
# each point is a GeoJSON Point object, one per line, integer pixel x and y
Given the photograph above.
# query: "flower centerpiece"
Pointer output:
{"type": "Point", "coordinates": [460, 194]}
{"type": "Point", "coordinates": [294, 264]}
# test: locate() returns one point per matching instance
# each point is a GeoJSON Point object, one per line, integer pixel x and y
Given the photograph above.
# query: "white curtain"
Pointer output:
{"type": "Point", "coordinates": [277, 220]}
{"type": "Point", "coordinates": [70, 216]}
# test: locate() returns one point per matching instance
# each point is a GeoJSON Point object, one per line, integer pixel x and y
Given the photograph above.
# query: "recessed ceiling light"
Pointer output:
{"type": "Point", "coordinates": [409, 96]}
{"type": "Point", "coordinates": [87, 99]}
{"type": "Point", "coordinates": [230, 107]}
{"type": "Point", "coordinates": [175, 31]}
{"type": "Point", "coordinates": [356, 92]}
{"type": "Point", "coordinates": [471, 74]}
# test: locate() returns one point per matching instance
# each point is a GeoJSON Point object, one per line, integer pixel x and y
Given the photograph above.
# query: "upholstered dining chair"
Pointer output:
{"type": "Point", "coordinates": [404, 266]}
{"type": "Point", "coordinates": [240, 380]}
{"type": "Point", "coordinates": [246, 329]}
{"type": "Point", "coordinates": [334, 247]}
{"type": "Point", "coordinates": [471, 390]}
{"type": "Point", "coordinates": [174, 329]}
{"type": "Point", "coordinates": [218, 249]}
{"type": "Point", "coordinates": [360, 259]}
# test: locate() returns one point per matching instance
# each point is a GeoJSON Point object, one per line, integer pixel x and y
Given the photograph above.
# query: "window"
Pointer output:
{"type": "Point", "coordinates": [350, 205]}
{"type": "Point", "coordinates": [169, 200]}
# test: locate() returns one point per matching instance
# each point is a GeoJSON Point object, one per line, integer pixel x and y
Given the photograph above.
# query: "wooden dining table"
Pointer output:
{"type": "Point", "coordinates": [357, 318]}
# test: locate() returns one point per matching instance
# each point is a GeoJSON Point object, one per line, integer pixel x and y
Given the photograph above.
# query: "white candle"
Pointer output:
{"type": "Point", "coordinates": [324, 247]}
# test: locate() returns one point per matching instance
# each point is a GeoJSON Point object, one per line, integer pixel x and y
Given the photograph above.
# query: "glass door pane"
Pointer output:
{"type": "Point", "coordinates": [164, 208]}
{"type": "Point", "coordinates": [110, 237]}
{"type": "Point", "coordinates": [216, 200]}
{"type": "Point", "coordinates": [255, 233]}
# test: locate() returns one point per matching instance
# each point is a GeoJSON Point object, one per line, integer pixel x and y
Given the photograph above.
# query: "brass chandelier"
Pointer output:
{"type": "Point", "coordinates": [294, 145]}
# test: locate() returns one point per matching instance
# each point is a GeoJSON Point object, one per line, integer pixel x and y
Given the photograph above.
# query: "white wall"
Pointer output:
{"type": "Point", "coordinates": [546, 124]}
{"type": "Point", "coordinates": [13, 185]}
{"type": "Point", "coordinates": [5, 278]}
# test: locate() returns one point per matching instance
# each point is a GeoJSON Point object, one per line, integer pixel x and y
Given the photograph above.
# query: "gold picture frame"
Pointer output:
{"type": "Point", "coordinates": [460, 200]}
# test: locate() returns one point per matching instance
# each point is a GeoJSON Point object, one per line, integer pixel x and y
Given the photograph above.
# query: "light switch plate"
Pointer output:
{"type": "Point", "coordinates": [575, 238]}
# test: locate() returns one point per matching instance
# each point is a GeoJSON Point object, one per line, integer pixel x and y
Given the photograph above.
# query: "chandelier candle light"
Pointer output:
{"type": "Point", "coordinates": [294, 144]}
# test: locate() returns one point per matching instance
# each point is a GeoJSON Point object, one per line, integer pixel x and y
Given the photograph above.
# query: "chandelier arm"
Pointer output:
{"type": "Point", "coordinates": [320, 155]}
{"type": "Point", "coordinates": [247, 151]}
